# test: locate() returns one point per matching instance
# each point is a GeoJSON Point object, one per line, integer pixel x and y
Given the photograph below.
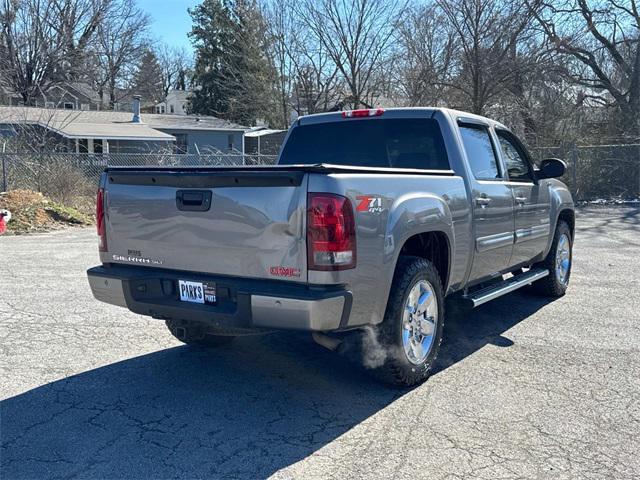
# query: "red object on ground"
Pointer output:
{"type": "Point", "coordinates": [3, 225]}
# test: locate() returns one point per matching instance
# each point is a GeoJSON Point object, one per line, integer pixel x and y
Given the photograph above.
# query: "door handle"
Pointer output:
{"type": "Point", "coordinates": [521, 200]}
{"type": "Point", "coordinates": [193, 200]}
{"type": "Point", "coordinates": [483, 201]}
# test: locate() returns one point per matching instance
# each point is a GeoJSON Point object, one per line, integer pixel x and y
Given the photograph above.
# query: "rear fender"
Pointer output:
{"type": "Point", "coordinates": [413, 214]}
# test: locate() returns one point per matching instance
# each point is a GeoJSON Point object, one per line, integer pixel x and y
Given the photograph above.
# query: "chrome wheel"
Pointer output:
{"type": "Point", "coordinates": [563, 259]}
{"type": "Point", "coordinates": [419, 322]}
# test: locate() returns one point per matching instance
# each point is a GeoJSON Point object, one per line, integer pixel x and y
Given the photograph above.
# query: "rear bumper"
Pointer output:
{"type": "Point", "coordinates": [242, 305]}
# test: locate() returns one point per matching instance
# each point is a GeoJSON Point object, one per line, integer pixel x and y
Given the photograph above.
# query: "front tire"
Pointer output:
{"type": "Point", "coordinates": [412, 329]}
{"type": "Point", "coordinates": [558, 262]}
{"type": "Point", "coordinates": [193, 334]}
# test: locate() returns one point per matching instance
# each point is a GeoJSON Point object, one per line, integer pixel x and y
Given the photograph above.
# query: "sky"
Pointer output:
{"type": "Point", "coordinates": [170, 20]}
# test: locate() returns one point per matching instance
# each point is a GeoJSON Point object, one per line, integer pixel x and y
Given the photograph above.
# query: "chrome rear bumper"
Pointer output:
{"type": "Point", "coordinates": [242, 303]}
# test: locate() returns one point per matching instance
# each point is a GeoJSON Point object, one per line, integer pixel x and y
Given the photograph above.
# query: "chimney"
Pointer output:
{"type": "Point", "coordinates": [136, 109]}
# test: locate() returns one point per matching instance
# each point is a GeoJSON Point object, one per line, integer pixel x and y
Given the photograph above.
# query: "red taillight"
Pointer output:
{"type": "Point", "coordinates": [374, 112]}
{"type": "Point", "coordinates": [100, 220]}
{"type": "Point", "coordinates": [331, 232]}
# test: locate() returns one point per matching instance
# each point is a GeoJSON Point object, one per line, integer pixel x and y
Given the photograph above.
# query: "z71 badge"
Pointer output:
{"type": "Point", "coordinates": [369, 203]}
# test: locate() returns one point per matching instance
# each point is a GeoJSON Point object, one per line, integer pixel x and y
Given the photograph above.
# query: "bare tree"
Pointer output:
{"type": "Point", "coordinates": [307, 77]}
{"type": "Point", "coordinates": [76, 21]}
{"type": "Point", "coordinates": [42, 41]}
{"type": "Point", "coordinates": [120, 41]}
{"type": "Point", "coordinates": [175, 63]}
{"type": "Point", "coordinates": [358, 36]}
{"type": "Point", "coordinates": [29, 47]}
{"type": "Point", "coordinates": [282, 30]}
{"type": "Point", "coordinates": [603, 38]}
{"type": "Point", "coordinates": [486, 34]}
{"type": "Point", "coordinates": [426, 57]}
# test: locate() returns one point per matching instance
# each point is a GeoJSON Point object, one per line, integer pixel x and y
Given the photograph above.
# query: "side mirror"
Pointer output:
{"type": "Point", "coordinates": [551, 168]}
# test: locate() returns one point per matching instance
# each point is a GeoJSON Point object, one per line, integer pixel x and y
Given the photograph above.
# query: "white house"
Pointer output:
{"type": "Point", "coordinates": [175, 103]}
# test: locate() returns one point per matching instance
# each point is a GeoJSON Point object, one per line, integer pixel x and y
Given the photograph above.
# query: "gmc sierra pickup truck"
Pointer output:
{"type": "Point", "coordinates": [368, 221]}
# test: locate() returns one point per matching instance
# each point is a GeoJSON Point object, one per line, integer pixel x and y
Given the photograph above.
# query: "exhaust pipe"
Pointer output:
{"type": "Point", "coordinates": [326, 341]}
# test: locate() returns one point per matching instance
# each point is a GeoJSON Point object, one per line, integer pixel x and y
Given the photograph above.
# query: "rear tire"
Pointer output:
{"type": "Point", "coordinates": [194, 334]}
{"type": "Point", "coordinates": [410, 336]}
{"type": "Point", "coordinates": [559, 261]}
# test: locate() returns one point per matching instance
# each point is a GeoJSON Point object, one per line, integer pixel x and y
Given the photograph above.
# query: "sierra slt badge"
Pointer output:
{"type": "Point", "coordinates": [140, 260]}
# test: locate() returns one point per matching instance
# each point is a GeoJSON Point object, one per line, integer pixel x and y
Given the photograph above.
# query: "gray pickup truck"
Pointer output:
{"type": "Point", "coordinates": [368, 221]}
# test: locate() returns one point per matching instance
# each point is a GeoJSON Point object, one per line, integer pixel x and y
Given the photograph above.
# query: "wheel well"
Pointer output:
{"type": "Point", "coordinates": [568, 216]}
{"type": "Point", "coordinates": [433, 246]}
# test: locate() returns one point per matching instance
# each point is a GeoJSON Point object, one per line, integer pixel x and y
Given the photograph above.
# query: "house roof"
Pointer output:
{"type": "Point", "coordinates": [262, 132]}
{"type": "Point", "coordinates": [83, 124]}
{"type": "Point", "coordinates": [112, 125]}
{"type": "Point", "coordinates": [190, 122]}
{"type": "Point", "coordinates": [85, 89]}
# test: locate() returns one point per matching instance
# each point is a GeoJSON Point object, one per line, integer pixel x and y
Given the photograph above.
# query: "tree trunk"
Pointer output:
{"type": "Point", "coordinates": [112, 96]}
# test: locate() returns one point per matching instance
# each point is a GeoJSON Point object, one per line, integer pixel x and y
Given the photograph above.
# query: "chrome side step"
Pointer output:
{"type": "Point", "coordinates": [494, 291]}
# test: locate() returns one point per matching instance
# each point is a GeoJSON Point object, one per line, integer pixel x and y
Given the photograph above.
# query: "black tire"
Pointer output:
{"type": "Point", "coordinates": [396, 368]}
{"type": "Point", "coordinates": [193, 334]}
{"type": "Point", "coordinates": [551, 286]}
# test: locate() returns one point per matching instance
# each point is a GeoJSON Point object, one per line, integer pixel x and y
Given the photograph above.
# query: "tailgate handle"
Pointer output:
{"type": "Point", "coordinates": [193, 200]}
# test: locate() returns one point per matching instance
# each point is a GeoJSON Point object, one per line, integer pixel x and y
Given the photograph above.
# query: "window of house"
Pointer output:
{"type": "Point", "coordinates": [172, 109]}
{"type": "Point", "coordinates": [68, 106]}
{"type": "Point", "coordinates": [480, 152]}
{"type": "Point", "coordinates": [83, 145]}
{"type": "Point", "coordinates": [230, 142]}
{"type": "Point", "coordinates": [98, 146]}
{"type": "Point", "coordinates": [49, 105]}
{"type": "Point", "coordinates": [85, 106]}
{"type": "Point", "coordinates": [514, 159]}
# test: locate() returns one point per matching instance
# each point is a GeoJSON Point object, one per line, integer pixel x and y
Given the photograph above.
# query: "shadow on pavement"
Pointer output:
{"type": "Point", "coordinates": [242, 411]}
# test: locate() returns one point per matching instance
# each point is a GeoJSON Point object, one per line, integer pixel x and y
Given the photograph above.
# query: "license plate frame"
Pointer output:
{"type": "Point", "coordinates": [203, 293]}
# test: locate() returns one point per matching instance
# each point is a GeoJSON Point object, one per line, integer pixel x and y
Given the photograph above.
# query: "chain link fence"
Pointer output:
{"type": "Point", "coordinates": [71, 178]}
{"type": "Point", "coordinates": [598, 172]}
{"type": "Point", "coordinates": [594, 172]}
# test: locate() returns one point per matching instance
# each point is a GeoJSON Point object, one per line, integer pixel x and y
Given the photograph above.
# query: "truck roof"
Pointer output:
{"type": "Point", "coordinates": [402, 112]}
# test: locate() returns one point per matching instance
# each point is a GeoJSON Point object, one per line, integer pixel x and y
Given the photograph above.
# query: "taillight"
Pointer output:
{"type": "Point", "coordinates": [373, 112]}
{"type": "Point", "coordinates": [102, 233]}
{"type": "Point", "coordinates": [331, 232]}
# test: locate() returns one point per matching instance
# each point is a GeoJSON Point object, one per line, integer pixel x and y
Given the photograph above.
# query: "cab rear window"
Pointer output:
{"type": "Point", "coordinates": [395, 143]}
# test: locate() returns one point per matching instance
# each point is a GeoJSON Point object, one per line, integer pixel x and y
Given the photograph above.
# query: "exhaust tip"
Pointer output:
{"type": "Point", "coordinates": [326, 341]}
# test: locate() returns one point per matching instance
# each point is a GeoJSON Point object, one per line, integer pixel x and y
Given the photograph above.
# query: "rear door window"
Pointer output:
{"type": "Point", "coordinates": [395, 143]}
{"type": "Point", "coordinates": [480, 152]}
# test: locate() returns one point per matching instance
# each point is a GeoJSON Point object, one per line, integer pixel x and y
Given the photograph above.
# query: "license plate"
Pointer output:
{"type": "Point", "coordinates": [197, 292]}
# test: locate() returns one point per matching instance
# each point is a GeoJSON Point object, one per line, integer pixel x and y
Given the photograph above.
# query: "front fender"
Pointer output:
{"type": "Point", "coordinates": [561, 199]}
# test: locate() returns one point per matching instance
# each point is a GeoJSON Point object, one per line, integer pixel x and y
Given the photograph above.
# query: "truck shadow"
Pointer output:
{"type": "Point", "coordinates": [243, 411]}
{"type": "Point", "coordinates": [468, 331]}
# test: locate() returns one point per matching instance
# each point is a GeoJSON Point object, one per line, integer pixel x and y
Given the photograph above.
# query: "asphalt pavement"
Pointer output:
{"type": "Point", "coordinates": [525, 387]}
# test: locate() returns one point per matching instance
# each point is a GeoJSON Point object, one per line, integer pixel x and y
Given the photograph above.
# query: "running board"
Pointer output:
{"type": "Point", "coordinates": [494, 291]}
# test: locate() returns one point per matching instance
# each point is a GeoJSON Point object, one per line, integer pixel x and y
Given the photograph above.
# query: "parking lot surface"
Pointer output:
{"type": "Point", "coordinates": [525, 387]}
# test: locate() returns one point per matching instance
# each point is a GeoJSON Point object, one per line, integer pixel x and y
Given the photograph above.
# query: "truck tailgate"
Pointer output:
{"type": "Point", "coordinates": [230, 222]}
